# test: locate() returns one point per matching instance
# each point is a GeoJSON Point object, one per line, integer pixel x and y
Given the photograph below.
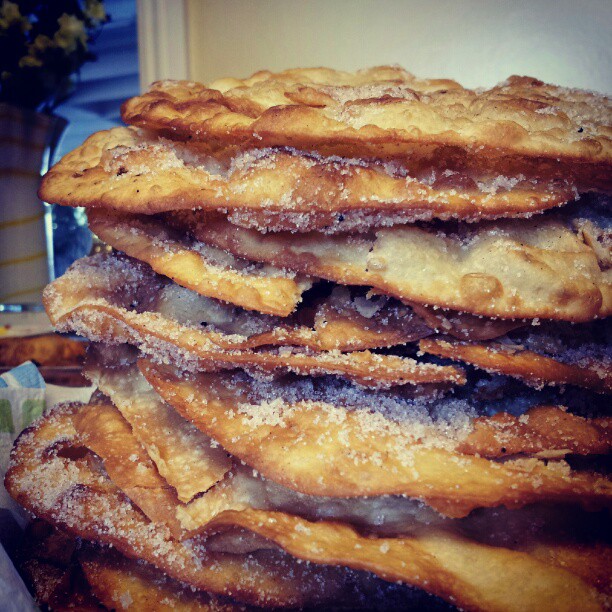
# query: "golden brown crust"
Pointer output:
{"type": "Point", "coordinates": [520, 269]}
{"type": "Point", "coordinates": [527, 365]}
{"type": "Point", "coordinates": [204, 270]}
{"type": "Point", "coordinates": [125, 584]}
{"type": "Point", "coordinates": [453, 567]}
{"type": "Point", "coordinates": [52, 477]}
{"type": "Point", "coordinates": [187, 459]}
{"type": "Point", "coordinates": [109, 285]}
{"type": "Point", "coordinates": [387, 112]}
{"type": "Point", "coordinates": [471, 575]}
{"type": "Point", "coordinates": [351, 465]}
{"type": "Point", "coordinates": [104, 431]}
{"type": "Point", "coordinates": [547, 431]}
{"type": "Point", "coordinates": [88, 300]}
{"type": "Point", "coordinates": [45, 350]}
{"type": "Point", "coordinates": [362, 367]}
{"type": "Point", "coordinates": [132, 172]}
{"type": "Point", "coordinates": [590, 562]}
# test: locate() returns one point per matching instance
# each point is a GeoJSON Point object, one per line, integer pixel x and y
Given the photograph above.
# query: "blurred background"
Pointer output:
{"type": "Point", "coordinates": [476, 42]}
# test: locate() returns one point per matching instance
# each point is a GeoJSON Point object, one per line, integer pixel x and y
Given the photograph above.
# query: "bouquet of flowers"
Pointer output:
{"type": "Point", "coordinates": [42, 44]}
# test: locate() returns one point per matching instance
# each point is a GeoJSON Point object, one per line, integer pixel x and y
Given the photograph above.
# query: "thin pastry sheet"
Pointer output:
{"type": "Point", "coordinates": [103, 430]}
{"type": "Point", "coordinates": [361, 445]}
{"type": "Point", "coordinates": [187, 459]}
{"type": "Point", "coordinates": [80, 308]}
{"type": "Point", "coordinates": [520, 269]}
{"type": "Point", "coordinates": [103, 287]}
{"type": "Point", "coordinates": [124, 584]}
{"type": "Point", "coordinates": [532, 367]}
{"type": "Point", "coordinates": [432, 559]}
{"type": "Point", "coordinates": [520, 125]}
{"type": "Point", "coordinates": [203, 269]}
{"type": "Point", "coordinates": [53, 478]}
{"type": "Point", "coordinates": [546, 431]}
{"type": "Point", "coordinates": [131, 171]}
{"type": "Point", "coordinates": [543, 431]}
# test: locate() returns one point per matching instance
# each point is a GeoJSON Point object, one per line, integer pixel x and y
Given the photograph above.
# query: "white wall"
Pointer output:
{"type": "Point", "coordinates": [479, 43]}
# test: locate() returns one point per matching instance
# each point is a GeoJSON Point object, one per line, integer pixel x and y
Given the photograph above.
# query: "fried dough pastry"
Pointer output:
{"type": "Point", "coordinates": [354, 322]}
{"type": "Point", "coordinates": [591, 563]}
{"type": "Point", "coordinates": [594, 226]}
{"type": "Point", "coordinates": [362, 367]}
{"type": "Point", "coordinates": [124, 584]}
{"type": "Point", "coordinates": [113, 576]}
{"type": "Point", "coordinates": [506, 269]}
{"type": "Point", "coordinates": [53, 477]}
{"type": "Point", "coordinates": [240, 489]}
{"type": "Point", "coordinates": [433, 559]}
{"type": "Point", "coordinates": [546, 431]}
{"type": "Point", "coordinates": [65, 575]}
{"type": "Point", "coordinates": [539, 353]}
{"type": "Point", "coordinates": [101, 289]}
{"type": "Point", "coordinates": [103, 430]}
{"type": "Point", "coordinates": [243, 488]}
{"type": "Point", "coordinates": [46, 558]}
{"type": "Point", "coordinates": [131, 171]}
{"type": "Point", "coordinates": [199, 267]}
{"type": "Point", "coordinates": [337, 443]}
{"type": "Point", "coordinates": [164, 338]}
{"type": "Point", "coordinates": [479, 575]}
{"type": "Point", "coordinates": [45, 350]}
{"type": "Point", "coordinates": [104, 296]}
{"type": "Point", "coordinates": [326, 223]}
{"type": "Point", "coordinates": [532, 367]}
{"type": "Point", "coordinates": [187, 459]}
{"type": "Point", "coordinates": [521, 125]}
{"type": "Point", "coordinates": [464, 326]}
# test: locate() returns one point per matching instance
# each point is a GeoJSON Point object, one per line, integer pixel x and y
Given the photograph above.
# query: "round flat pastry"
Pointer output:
{"type": "Point", "coordinates": [509, 269]}
{"type": "Point", "coordinates": [519, 126]}
{"type": "Point", "coordinates": [135, 171]}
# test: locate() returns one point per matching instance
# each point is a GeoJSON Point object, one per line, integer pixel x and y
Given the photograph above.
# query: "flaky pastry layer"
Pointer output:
{"type": "Point", "coordinates": [131, 171]}
{"type": "Point", "coordinates": [432, 559]}
{"type": "Point", "coordinates": [53, 478]}
{"type": "Point", "coordinates": [530, 366]}
{"type": "Point", "coordinates": [335, 446]}
{"type": "Point", "coordinates": [387, 112]}
{"type": "Point", "coordinates": [506, 269]}
{"type": "Point", "coordinates": [206, 270]}
{"type": "Point", "coordinates": [93, 306]}
{"type": "Point", "coordinates": [125, 584]}
{"type": "Point", "coordinates": [187, 459]}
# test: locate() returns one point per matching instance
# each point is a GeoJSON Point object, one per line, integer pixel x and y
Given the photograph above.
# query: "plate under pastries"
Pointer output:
{"type": "Point", "coordinates": [351, 348]}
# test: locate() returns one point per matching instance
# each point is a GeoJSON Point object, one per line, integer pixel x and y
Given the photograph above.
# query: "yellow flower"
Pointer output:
{"type": "Point", "coordinates": [95, 10]}
{"type": "Point", "coordinates": [30, 61]}
{"type": "Point", "coordinates": [10, 15]}
{"type": "Point", "coordinates": [41, 44]}
{"type": "Point", "coordinates": [72, 30]}
{"type": "Point", "coordinates": [35, 51]}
